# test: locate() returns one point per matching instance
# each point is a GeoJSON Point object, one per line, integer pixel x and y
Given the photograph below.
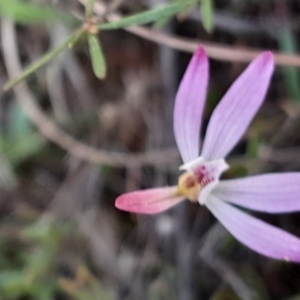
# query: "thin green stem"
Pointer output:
{"type": "Point", "coordinates": [69, 42]}
{"type": "Point", "coordinates": [89, 9]}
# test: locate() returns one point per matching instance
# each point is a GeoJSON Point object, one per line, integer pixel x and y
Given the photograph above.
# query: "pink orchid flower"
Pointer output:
{"type": "Point", "coordinates": [272, 193]}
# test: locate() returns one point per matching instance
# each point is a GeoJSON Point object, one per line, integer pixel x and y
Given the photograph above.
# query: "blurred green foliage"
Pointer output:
{"type": "Point", "coordinates": [33, 276]}
{"type": "Point", "coordinates": [207, 14]}
{"type": "Point", "coordinates": [291, 75]}
{"type": "Point", "coordinates": [36, 275]}
{"type": "Point", "coordinates": [20, 140]}
{"type": "Point", "coordinates": [23, 12]}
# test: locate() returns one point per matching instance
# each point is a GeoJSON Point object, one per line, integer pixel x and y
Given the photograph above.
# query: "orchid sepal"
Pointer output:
{"type": "Point", "coordinates": [254, 233]}
{"type": "Point", "coordinates": [237, 108]}
{"type": "Point", "coordinates": [188, 115]}
{"type": "Point", "coordinates": [150, 201]}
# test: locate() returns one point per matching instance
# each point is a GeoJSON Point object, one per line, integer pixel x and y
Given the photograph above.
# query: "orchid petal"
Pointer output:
{"type": "Point", "coordinates": [235, 111]}
{"type": "Point", "coordinates": [254, 233]}
{"type": "Point", "coordinates": [151, 201]}
{"type": "Point", "coordinates": [272, 193]}
{"type": "Point", "coordinates": [189, 104]}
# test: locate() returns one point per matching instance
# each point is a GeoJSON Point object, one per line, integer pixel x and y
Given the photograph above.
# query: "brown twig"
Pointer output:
{"type": "Point", "coordinates": [214, 50]}
{"type": "Point", "coordinates": [53, 133]}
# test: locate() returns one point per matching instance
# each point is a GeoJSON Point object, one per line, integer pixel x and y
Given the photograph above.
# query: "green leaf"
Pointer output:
{"type": "Point", "coordinates": [23, 12]}
{"type": "Point", "coordinates": [89, 8]}
{"type": "Point", "coordinates": [71, 41]}
{"type": "Point", "coordinates": [206, 11]}
{"type": "Point", "coordinates": [147, 16]}
{"type": "Point", "coordinates": [97, 57]}
{"type": "Point", "coordinates": [291, 75]}
{"type": "Point", "coordinates": [161, 23]}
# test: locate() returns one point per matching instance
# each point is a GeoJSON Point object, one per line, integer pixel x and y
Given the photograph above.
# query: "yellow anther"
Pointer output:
{"type": "Point", "coordinates": [189, 186]}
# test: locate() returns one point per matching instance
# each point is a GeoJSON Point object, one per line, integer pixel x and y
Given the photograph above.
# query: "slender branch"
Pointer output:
{"type": "Point", "coordinates": [214, 50]}
{"type": "Point", "coordinates": [44, 60]}
{"type": "Point", "coordinates": [53, 133]}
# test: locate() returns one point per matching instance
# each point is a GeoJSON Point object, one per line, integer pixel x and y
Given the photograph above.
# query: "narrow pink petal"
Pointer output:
{"type": "Point", "coordinates": [254, 233]}
{"type": "Point", "coordinates": [151, 201]}
{"type": "Point", "coordinates": [272, 193]}
{"type": "Point", "coordinates": [189, 104]}
{"type": "Point", "coordinates": [235, 111]}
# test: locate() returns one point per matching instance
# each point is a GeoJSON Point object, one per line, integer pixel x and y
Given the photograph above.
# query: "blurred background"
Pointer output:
{"type": "Point", "coordinates": [70, 143]}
